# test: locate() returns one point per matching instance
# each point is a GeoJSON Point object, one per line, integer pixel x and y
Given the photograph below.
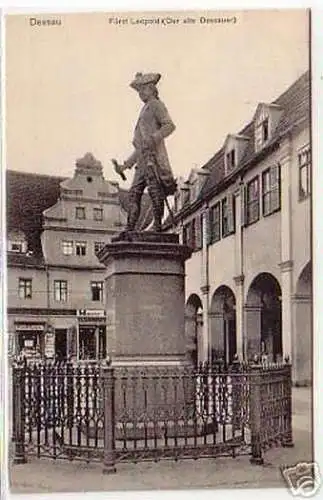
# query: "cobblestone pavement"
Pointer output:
{"type": "Point", "coordinates": [46, 476]}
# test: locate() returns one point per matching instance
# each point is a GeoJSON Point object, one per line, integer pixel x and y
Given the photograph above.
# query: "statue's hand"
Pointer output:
{"type": "Point", "coordinates": [119, 168]}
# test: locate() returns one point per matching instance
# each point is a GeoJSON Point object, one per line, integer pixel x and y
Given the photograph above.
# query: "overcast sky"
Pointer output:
{"type": "Point", "coordinates": [67, 87]}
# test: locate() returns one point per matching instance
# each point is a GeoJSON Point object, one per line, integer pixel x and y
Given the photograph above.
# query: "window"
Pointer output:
{"type": "Point", "coordinates": [24, 288]}
{"type": "Point", "coordinates": [271, 190]}
{"type": "Point", "coordinates": [60, 290]}
{"type": "Point", "coordinates": [189, 234]}
{"type": "Point", "coordinates": [199, 232]}
{"type": "Point", "coordinates": [230, 160]}
{"type": "Point", "coordinates": [185, 235]}
{"type": "Point", "coordinates": [193, 234]}
{"type": "Point", "coordinates": [97, 290]}
{"type": "Point", "coordinates": [265, 130]}
{"type": "Point", "coordinates": [16, 246]}
{"type": "Point", "coordinates": [215, 223]}
{"type": "Point", "coordinates": [252, 208]}
{"type": "Point", "coordinates": [80, 248]}
{"type": "Point", "coordinates": [67, 247]}
{"type": "Point", "coordinates": [304, 165]}
{"type": "Point", "coordinates": [262, 133]}
{"type": "Point", "coordinates": [228, 219]}
{"type": "Point", "coordinates": [98, 245]}
{"type": "Point", "coordinates": [97, 213]}
{"type": "Point", "coordinates": [80, 213]}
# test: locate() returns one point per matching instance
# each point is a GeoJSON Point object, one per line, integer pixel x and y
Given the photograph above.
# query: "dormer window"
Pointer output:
{"type": "Point", "coordinates": [230, 160]}
{"type": "Point", "coordinates": [262, 133]}
{"type": "Point", "coordinates": [16, 246]}
{"type": "Point", "coordinates": [17, 242]}
{"type": "Point", "coordinates": [265, 130]}
{"type": "Point", "coordinates": [266, 120]}
{"type": "Point", "coordinates": [233, 151]}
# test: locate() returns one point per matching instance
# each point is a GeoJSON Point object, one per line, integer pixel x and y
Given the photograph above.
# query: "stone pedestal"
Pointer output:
{"type": "Point", "coordinates": [145, 302]}
{"type": "Point", "coordinates": [145, 298]}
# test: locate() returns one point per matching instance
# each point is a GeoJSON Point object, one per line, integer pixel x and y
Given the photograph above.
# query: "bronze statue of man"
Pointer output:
{"type": "Point", "coordinates": [150, 158]}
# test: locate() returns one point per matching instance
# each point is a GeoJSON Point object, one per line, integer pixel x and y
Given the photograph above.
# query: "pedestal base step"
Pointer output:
{"type": "Point", "coordinates": [155, 430]}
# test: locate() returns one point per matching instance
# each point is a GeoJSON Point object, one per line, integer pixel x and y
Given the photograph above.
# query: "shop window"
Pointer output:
{"type": "Point", "coordinates": [67, 247]}
{"type": "Point", "coordinates": [304, 166]}
{"type": "Point", "coordinates": [60, 290]}
{"type": "Point", "coordinates": [271, 190]}
{"type": "Point", "coordinates": [97, 290]}
{"type": "Point", "coordinates": [80, 213]}
{"type": "Point", "coordinates": [98, 214]}
{"type": "Point", "coordinates": [252, 201]}
{"type": "Point", "coordinates": [80, 248]}
{"type": "Point", "coordinates": [28, 343]}
{"type": "Point", "coordinates": [25, 288]}
{"type": "Point", "coordinates": [92, 342]}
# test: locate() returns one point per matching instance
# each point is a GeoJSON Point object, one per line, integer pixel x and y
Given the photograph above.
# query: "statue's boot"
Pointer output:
{"type": "Point", "coordinates": [133, 212]}
{"type": "Point", "coordinates": [158, 208]}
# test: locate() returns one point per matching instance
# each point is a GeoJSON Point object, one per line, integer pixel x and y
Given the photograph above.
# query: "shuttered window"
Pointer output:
{"type": "Point", "coordinates": [271, 190]}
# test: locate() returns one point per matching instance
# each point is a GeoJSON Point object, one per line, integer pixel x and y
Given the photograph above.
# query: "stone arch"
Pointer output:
{"type": "Point", "coordinates": [223, 324]}
{"type": "Point", "coordinates": [263, 315]}
{"type": "Point", "coordinates": [304, 281]}
{"type": "Point", "coordinates": [303, 327]}
{"type": "Point", "coordinates": [193, 326]}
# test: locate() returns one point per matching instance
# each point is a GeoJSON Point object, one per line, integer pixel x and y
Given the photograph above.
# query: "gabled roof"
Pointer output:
{"type": "Point", "coordinates": [28, 195]}
{"type": "Point", "coordinates": [295, 103]}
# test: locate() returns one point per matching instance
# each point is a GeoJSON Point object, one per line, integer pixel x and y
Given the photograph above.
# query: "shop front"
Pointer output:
{"type": "Point", "coordinates": [30, 339]}
{"type": "Point", "coordinates": [91, 334]}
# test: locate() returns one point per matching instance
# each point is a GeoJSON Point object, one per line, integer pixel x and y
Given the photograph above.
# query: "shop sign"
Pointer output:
{"type": "Point", "coordinates": [29, 328]}
{"type": "Point", "coordinates": [91, 313]}
{"type": "Point", "coordinates": [50, 345]}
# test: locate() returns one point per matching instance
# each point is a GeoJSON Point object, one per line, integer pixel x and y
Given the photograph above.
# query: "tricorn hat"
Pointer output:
{"type": "Point", "coordinates": [144, 78]}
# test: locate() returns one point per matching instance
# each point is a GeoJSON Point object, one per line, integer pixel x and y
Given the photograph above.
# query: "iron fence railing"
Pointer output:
{"type": "Point", "coordinates": [98, 412]}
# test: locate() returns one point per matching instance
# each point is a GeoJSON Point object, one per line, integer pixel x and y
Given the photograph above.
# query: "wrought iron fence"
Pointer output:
{"type": "Point", "coordinates": [97, 412]}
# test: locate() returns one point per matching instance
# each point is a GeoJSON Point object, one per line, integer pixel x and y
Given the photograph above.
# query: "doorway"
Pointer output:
{"type": "Point", "coordinates": [61, 344]}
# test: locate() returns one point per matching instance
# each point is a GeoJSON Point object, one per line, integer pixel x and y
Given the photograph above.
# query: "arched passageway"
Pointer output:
{"type": "Point", "coordinates": [223, 325]}
{"type": "Point", "coordinates": [263, 311]}
{"type": "Point", "coordinates": [193, 326]}
{"type": "Point", "coordinates": [302, 304]}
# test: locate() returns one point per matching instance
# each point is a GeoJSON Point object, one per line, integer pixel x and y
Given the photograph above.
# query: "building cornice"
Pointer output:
{"type": "Point", "coordinates": [82, 229]}
{"type": "Point", "coordinates": [285, 266]}
{"type": "Point", "coordinates": [39, 311]}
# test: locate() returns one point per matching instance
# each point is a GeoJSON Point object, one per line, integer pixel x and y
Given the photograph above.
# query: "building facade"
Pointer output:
{"type": "Point", "coordinates": [55, 283]}
{"type": "Point", "coordinates": [247, 214]}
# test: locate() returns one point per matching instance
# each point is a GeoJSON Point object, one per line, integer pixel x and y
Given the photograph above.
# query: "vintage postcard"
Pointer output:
{"type": "Point", "coordinates": [159, 251]}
